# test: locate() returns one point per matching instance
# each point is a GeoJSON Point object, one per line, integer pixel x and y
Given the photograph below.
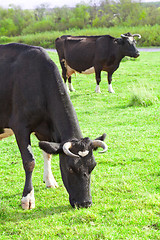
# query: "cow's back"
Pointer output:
{"type": "Point", "coordinates": [23, 70]}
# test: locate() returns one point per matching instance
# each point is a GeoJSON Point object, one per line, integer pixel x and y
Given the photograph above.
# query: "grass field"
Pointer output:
{"type": "Point", "coordinates": [126, 181]}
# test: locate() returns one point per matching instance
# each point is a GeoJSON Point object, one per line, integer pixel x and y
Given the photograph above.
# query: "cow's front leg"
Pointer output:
{"type": "Point", "coordinates": [23, 141]}
{"type": "Point", "coordinates": [48, 177]}
{"type": "Point", "coordinates": [98, 79]}
{"type": "Point", "coordinates": [110, 89]}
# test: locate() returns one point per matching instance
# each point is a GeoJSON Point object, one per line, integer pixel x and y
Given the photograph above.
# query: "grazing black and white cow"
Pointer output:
{"type": "Point", "coordinates": [89, 54]}
{"type": "Point", "coordinates": [33, 98]}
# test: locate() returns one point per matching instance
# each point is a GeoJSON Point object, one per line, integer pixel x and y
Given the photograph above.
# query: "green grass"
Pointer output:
{"type": "Point", "coordinates": [126, 181]}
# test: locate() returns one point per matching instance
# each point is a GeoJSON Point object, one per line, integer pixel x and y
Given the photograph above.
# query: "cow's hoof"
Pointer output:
{"type": "Point", "coordinates": [111, 91]}
{"type": "Point", "coordinates": [28, 202]}
{"type": "Point", "coordinates": [97, 90]}
{"type": "Point", "coordinates": [50, 182]}
{"type": "Point", "coordinates": [72, 90]}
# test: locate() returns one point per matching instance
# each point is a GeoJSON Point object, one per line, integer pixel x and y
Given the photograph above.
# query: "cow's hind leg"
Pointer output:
{"type": "Point", "coordinates": [110, 89]}
{"type": "Point", "coordinates": [64, 73]}
{"type": "Point", "coordinates": [23, 141]}
{"type": "Point", "coordinates": [98, 79]}
{"type": "Point", "coordinates": [48, 177]}
{"type": "Point", "coordinates": [71, 88]}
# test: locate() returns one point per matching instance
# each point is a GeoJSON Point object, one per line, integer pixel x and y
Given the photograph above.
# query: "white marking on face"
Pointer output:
{"type": "Point", "coordinates": [84, 153]}
{"type": "Point", "coordinates": [110, 89]}
{"type": "Point", "coordinates": [131, 39]}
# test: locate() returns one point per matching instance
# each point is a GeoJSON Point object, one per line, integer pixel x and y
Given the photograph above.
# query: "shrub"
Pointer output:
{"type": "Point", "coordinates": [4, 39]}
{"type": "Point", "coordinates": [40, 26]}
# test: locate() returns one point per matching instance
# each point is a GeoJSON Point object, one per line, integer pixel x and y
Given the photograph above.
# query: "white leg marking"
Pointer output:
{"type": "Point", "coordinates": [110, 89]}
{"type": "Point", "coordinates": [97, 90]}
{"type": "Point", "coordinates": [67, 87]}
{"type": "Point", "coordinates": [71, 88]}
{"type": "Point", "coordinates": [30, 150]}
{"type": "Point", "coordinates": [28, 202]}
{"type": "Point", "coordinates": [48, 176]}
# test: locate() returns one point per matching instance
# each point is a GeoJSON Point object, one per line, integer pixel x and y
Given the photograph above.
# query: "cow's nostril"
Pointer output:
{"type": "Point", "coordinates": [85, 204]}
{"type": "Point", "coordinates": [137, 54]}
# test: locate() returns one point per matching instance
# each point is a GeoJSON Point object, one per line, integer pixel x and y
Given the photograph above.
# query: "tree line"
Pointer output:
{"type": "Point", "coordinates": [15, 21]}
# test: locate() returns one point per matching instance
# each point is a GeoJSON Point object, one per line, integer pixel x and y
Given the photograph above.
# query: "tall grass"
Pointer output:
{"type": "Point", "coordinates": [142, 95]}
{"type": "Point", "coordinates": [150, 35]}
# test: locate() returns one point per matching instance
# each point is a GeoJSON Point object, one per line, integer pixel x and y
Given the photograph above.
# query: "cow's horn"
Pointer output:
{"type": "Point", "coordinates": [137, 35]}
{"type": "Point", "coordinates": [124, 36]}
{"type": "Point", "coordinates": [99, 143]}
{"type": "Point", "coordinates": [66, 150]}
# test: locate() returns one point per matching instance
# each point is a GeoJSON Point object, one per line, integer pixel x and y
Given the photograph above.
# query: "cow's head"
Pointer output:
{"type": "Point", "coordinates": [76, 164]}
{"type": "Point", "coordinates": [128, 44]}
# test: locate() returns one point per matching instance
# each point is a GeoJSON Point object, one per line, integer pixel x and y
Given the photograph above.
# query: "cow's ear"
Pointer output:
{"type": "Point", "coordinates": [103, 145]}
{"type": "Point", "coordinates": [101, 137]}
{"type": "Point", "coordinates": [50, 147]}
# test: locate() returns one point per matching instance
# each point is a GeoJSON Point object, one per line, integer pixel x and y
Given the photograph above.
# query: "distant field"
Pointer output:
{"type": "Point", "coordinates": [150, 35]}
{"type": "Point", "coordinates": [126, 181]}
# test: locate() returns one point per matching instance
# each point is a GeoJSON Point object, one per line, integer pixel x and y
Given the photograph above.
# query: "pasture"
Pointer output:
{"type": "Point", "coordinates": [125, 184]}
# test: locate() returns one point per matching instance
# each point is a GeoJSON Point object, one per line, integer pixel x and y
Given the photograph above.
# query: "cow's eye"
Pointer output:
{"type": "Point", "coordinates": [71, 170]}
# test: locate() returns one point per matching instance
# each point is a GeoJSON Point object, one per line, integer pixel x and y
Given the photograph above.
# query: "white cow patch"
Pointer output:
{"type": "Point", "coordinates": [7, 132]}
{"type": "Point", "coordinates": [48, 177]}
{"type": "Point", "coordinates": [28, 202]}
{"type": "Point", "coordinates": [70, 70]}
{"type": "Point", "coordinates": [89, 71]}
{"type": "Point", "coordinates": [84, 153]}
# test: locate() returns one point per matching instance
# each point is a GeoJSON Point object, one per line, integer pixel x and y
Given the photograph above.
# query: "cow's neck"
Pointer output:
{"type": "Point", "coordinates": [119, 54]}
{"type": "Point", "coordinates": [63, 115]}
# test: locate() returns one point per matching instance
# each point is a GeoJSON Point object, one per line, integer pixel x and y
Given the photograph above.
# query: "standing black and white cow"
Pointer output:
{"type": "Point", "coordinates": [89, 54]}
{"type": "Point", "coordinates": [33, 98]}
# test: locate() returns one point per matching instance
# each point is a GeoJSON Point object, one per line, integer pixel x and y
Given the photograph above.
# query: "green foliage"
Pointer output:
{"type": "Point", "coordinates": [7, 27]}
{"type": "Point", "coordinates": [125, 183]}
{"type": "Point", "coordinates": [47, 39]}
{"type": "Point", "coordinates": [40, 26]}
{"type": "Point", "coordinates": [4, 40]}
{"type": "Point", "coordinates": [126, 13]}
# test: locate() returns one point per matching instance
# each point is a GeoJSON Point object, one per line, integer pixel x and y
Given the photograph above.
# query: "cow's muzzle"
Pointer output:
{"type": "Point", "coordinates": [137, 54]}
{"type": "Point", "coordinates": [85, 204]}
